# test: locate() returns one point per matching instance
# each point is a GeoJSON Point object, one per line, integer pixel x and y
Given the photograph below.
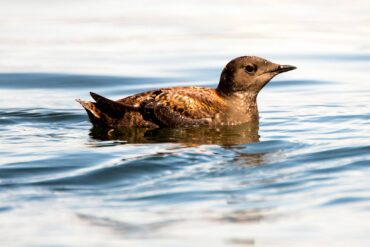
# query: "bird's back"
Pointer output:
{"type": "Point", "coordinates": [167, 107]}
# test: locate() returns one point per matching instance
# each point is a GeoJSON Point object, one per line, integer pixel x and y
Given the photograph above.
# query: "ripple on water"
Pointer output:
{"type": "Point", "coordinates": [66, 81]}
{"type": "Point", "coordinates": [97, 171]}
{"type": "Point", "coordinates": [269, 146]}
{"type": "Point", "coordinates": [333, 154]}
{"type": "Point", "coordinates": [358, 165]}
{"type": "Point", "coordinates": [39, 115]}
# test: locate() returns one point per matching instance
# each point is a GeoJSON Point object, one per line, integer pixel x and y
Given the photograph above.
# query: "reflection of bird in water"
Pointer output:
{"type": "Point", "coordinates": [233, 102]}
{"type": "Point", "coordinates": [223, 135]}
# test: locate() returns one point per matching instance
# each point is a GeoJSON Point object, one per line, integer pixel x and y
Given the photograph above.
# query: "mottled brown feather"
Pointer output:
{"type": "Point", "coordinates": [168, 107]}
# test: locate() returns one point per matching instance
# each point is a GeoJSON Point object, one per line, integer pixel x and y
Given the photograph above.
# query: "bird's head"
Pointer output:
{"type": "Point", "coordinates": [249, 74]}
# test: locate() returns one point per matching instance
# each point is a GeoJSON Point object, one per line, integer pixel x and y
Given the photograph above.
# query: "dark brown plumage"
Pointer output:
{"type": "Point", "coordinates": [233, 102]}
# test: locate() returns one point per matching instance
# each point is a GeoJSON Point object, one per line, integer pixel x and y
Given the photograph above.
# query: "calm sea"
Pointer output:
{"type": "Point", "coordinates": [302, 179]}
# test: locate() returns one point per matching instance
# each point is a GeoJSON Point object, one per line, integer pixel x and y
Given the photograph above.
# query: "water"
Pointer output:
{"type": "Point", "coordinates": [299, 179]}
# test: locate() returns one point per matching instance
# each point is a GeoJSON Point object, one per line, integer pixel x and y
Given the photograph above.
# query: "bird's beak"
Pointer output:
{"type": "Point", "coordinates": [284, 68]}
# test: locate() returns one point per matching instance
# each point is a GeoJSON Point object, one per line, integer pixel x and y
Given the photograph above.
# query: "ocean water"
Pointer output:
{"type": "Point", "coordinates": [300, 179]}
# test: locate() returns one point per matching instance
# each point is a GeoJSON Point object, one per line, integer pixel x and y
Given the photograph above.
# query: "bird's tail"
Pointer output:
{"type": "Point", "coordinates": [97, 118]}
{"type": "Point", "coordinates": [105, 112]}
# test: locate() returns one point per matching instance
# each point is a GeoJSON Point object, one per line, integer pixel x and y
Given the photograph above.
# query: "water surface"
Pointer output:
{"type": "Point", "coordinates": [300, 178]}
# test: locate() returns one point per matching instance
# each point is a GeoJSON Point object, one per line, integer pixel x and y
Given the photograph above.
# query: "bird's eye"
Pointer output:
{"type": "Point", "coordinates": [250, 68]}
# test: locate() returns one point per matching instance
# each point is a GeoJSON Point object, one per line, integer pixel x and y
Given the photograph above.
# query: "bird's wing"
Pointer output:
{"type": "Point", "coordinates": [183, 108]}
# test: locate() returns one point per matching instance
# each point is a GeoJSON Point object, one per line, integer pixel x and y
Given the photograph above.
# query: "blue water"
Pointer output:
{"type": "Point", "coordinates": [300, 178]}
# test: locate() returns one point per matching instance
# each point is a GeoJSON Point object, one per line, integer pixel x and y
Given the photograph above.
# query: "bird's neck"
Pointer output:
{"type": "Point", "coordinates": [242, 104]}
{"type": "Point", "coordinates": [244, 101]}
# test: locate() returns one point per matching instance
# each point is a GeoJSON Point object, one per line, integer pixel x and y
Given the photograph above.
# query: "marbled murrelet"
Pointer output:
{"type": "Point", "coordinates": [233, 102]}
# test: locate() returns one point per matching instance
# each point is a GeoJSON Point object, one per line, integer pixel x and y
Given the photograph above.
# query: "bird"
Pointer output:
{"type": "Point", "coordinates": [232, 102]}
